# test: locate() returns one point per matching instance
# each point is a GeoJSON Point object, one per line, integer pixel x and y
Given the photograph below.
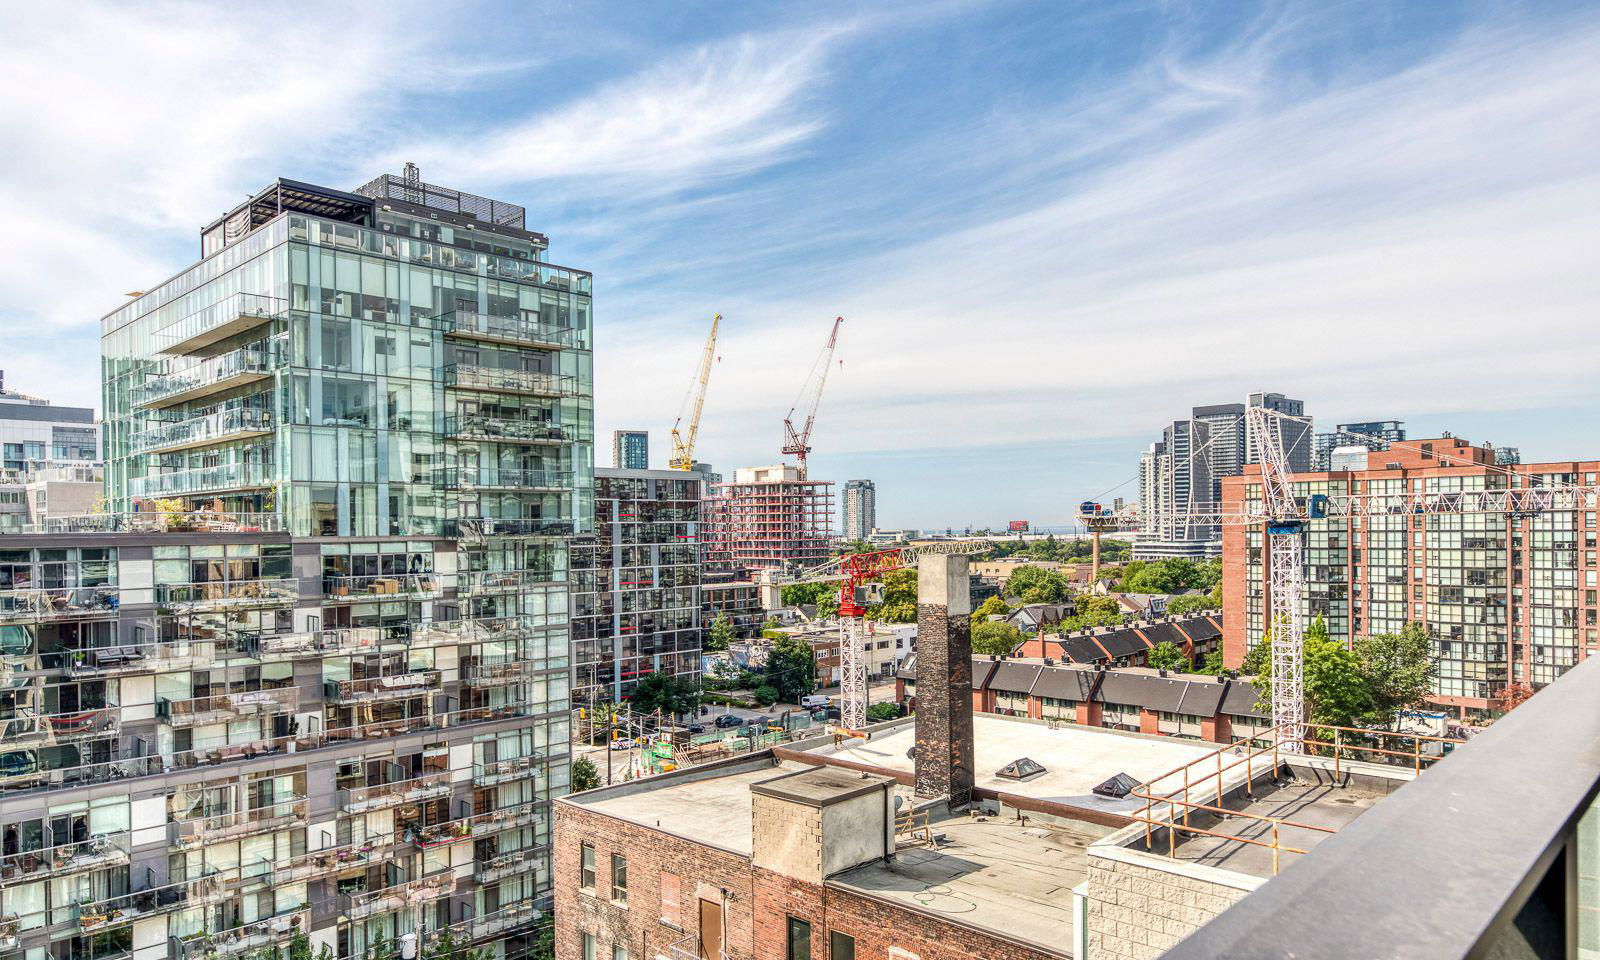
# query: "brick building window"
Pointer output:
{"type": "Point", "coordinates": [619, 952]}
{"type": "Point", "coordinates": [799, 940]}
{"type": "Point", "coordinates": [586, 870]}
{"type": "Point", "coordinates": [588, 946]}
{"type": "Point", "coordinates": [669, 900]}
{"type": "Point", "coordinates": [841, 946]}
{"type": "Point", "coordinates": [619, 879]}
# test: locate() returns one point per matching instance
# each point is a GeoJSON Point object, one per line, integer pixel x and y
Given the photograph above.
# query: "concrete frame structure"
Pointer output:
{"type": "Point", "coordinates": [767, 518]}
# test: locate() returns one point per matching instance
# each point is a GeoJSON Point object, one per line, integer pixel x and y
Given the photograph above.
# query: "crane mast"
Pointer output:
{"type": "Point", "coordinates": [798, 442]}
{"type": "Point", "coordinates": [694, 402]}
{"type": "Point", "coordinates": [1286, 573]}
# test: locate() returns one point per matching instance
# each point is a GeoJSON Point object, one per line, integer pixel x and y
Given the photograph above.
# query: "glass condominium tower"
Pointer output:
{"type": "Point", "coordinates": [365, 420]}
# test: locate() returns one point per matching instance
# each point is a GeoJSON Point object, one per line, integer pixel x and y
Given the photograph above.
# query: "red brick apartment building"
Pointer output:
{"type": "Point", "coordinates": [1510, 598]}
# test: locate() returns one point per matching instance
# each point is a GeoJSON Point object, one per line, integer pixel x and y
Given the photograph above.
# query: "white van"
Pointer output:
{"type": "Point", "coordinates": [814, 701]}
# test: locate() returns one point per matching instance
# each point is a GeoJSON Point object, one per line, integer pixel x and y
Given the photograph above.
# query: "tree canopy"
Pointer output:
{"type": "Point", "coordinates": [995, 638]}
{"type": "Point", "coordinates": [994, 606]}
{"type": "Point", "coordinates": [1172, 575]}
{"type": "Point", "coordinates": [1075, 550]}
{"type": "Point", "coordinates": [584, 775]}
{"type": "Point", "coordinates": [1336, 692]}
{"type": "Point", "coordinates": [662, 691]}
{"type": "Point", "coordinates": [1168, 656]}
{"type": "Point", "coordinates": [824, 595]}
{"type": "Point", "coordinates": [720, 636]}
{"type": "Point", "coordinates": [1184, 606]}
{"type": "Point", "coordinates": [791, 668]}
{"type": "Point", "coordinates": [1037, 585]}
{"type": "Point", "coordinates": [899, 598]}
{"type": "Point", "coordinates": [1399, 669]}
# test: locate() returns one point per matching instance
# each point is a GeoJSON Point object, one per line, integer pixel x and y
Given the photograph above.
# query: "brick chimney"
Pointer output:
{"type": "Point", "coordinates": [944, 762]}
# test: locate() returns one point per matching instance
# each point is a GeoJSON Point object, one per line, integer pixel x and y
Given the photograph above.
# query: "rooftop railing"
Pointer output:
{"type": "Point", "coordinates": [481, 326]}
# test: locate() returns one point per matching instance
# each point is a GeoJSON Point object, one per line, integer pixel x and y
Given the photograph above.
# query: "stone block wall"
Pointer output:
{"type": "Point", "coordinates": [1137, 910]}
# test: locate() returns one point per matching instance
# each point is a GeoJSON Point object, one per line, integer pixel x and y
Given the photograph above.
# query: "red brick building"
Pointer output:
{"type": "Point", "coordinates": [1510, 598]}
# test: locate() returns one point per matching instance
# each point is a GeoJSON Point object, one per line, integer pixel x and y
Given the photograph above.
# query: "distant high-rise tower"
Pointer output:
{"type": "Point", "coordinates": [630, 449]}
{"type": "Point", "coordinates": [860, 509]}
{"type": "Point", "coordinates": [1374, 435]}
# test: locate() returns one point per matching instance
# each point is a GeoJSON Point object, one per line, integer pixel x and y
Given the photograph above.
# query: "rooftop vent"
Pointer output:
{"type": "Point", "coordinates": [1117, 787]}
{"type": "Point", "coordinates": [1021, 769]}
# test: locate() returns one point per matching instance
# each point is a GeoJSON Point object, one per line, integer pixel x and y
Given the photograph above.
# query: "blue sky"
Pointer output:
{"type": "Point", "coordinates": [1050, 227]}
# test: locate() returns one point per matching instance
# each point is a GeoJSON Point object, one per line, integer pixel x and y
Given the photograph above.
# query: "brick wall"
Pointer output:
{"type": "Point", "coordinates": [944, 761]}
{"type": "Point", "coordinates": [1136, 912]}
{"type": "Point", "coordinates": [704, 872]}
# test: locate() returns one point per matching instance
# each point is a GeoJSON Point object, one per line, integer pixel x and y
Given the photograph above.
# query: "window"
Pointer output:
{"type": "Point", "coordinates": [586, 871]}
{"type": "Point", "coordinates": [588, 946]}
{"type": "Point", "coordinates": [669, 900]}
{"type": "Point", "coordinates": [841, 946]}
{"type": "Point", "coordinates": [619, 879]}
{"type": "Point", "coordinates": [619, 952]}
{"type": "Point", "coordinates": [799, 940]}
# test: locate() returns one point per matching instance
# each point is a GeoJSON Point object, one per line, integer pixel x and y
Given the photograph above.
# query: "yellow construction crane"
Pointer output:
{"type": "Point", "coordinates": [693, 402]}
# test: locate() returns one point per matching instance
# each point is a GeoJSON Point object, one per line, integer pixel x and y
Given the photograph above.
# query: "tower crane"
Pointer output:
{"type": "Point", "coordinates": [856, 574]}
{"type": "Point", "coordinates": [798, 442]}
{"type": "Point", "coordinates": [683, 446]}
{"type": "Point", "coordinates": [1284, 518]}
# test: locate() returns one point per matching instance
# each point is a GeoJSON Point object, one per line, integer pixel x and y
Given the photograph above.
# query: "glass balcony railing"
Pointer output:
{"type": "Point", "coordinates": [229, 316]}
{"type": "Point", "coordinates": [56, 603]}
{"type": "Point", "coordinates": [479, 528]}
{"type": "Point", "coordinates": [384, 795]}
{"type": "Point", "coordinates": [224, 707]}
{"type": "Point", "coordinates": [195, 379]}
{"type": "Point", "coordinates": [240, 423]}
{"type": "Point", "coordinates": [514, 430]}
{"type": "Point", "coordinates": [158, 521]}
{"type": "Point", "coordinates": [259, 939]}
{"type": "Point", "coordinates": [412, 585]}
{"type": "Point", "coordinates": [223, 477]}
{"type": "Point", "coordinates": [344, 640]}
{"type": "Point", "coordinates": [395, 687]}
{"type": "Point", "coordinates": [503, 865]}
{"type": "Point", "coordinates": [221, 594]}
{"type": "Point", "coordinates": [491, 478]}
{"type": "Point", "coordinates": [358, 906]}
{"type": "Point", "coordinates": [199, 831]}
{"type": "Point", "coordinates": [501, 771]}
{"type": "Point", "coordinates": [522, 915]}
{"type": "Point", "coordinates": [501, 674]}
{"type": "Point", "coordinates": [514, 330]}
{"type": "Point", "coordinates": [136, 658]}
{"type": "Point", "coordinates": [484, 582]}
{"type": "Point", "coordinates": [468, 377]}
{"type": "Point", "coordinates": [96, 853]}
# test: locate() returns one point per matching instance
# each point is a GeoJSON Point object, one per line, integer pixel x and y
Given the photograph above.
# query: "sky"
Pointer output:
{"type": "Point", "coordinates": [1050, 228]}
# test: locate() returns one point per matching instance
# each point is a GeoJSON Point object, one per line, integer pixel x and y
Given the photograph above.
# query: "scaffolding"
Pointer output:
{"type": "Point", "coordinates": [768, 523]}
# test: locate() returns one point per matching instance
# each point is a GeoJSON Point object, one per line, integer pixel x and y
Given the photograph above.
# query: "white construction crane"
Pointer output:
{"type": "Point", "coordinates": [693, 403]}
{"type": "Point", "coordinates": [1284, 519]}
{"type": "Point", "coordinates": [798, 442]}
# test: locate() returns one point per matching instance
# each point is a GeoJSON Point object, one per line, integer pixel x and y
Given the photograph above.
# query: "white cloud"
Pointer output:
{"type": "Point", "coordinates": [716, 111]}
{"type": "Point", "coordinates": [1389, 246]}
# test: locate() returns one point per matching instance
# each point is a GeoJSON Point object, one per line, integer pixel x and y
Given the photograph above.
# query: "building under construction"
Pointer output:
{"type": "Point", "coordinates": [768, 518]}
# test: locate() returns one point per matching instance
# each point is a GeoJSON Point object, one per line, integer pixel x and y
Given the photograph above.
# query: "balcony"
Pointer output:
{"type": "Point", "coordinates": [9, 925]}
{"type": "Point", "coordinates": [415, 586]}
{"type": "Point", "coordinates": [218, 479]}
{"type": "Point", "coordinates": [477, 583]}
{"type": "Point", "coordinates": [436, 835]}
{"type": "Point", "coordinates": [359, 906]}
{"type": "Point", "coordinates": [487, 478]}
{"type": "Point", "coordinates": [135, 658]}
{"type": "Point", "coordinates": [501, 771]}
{"type": "Point", "coordinates": [226, 318]}
{"type": "Point", "coordinates": [225, 707]}
{"type": "Point", "coordinates": [223, 426]}
{"type": "Point", "coordinates": [525, 382]}
{"type": "Point", "coordinates": [93, 915]}
{"type": "Point", "coordinates": [500, 674]}
{"type": "Point", "coordinates": [463, 325]}
{"type": "Point", "coordinates": [182, 383]}
{"type": "Point", "coordinates": [57, 603]}
{"type": "Point", "coordinates": [512, 430]}
{"type": "Point", "coordinates": [98, 852]}
{"type": "Point", "coordinates": [385, 795]}
{"type": "Point", "coordinates": [507, 864]}
{"type": "Point", "coordinates": [344, 640]}
{"type": "Point", "coordinates": [521, 815]}
{"type": "Point", "coordinates": [474, 529]}
{"type": "Point", "coordinates": [263, 935]}
{"type": "Point", "coordinates": [199, 831]}
{"type": "Point", "coordinates": [372, 689]}
{"type": "Point", "coordinates": [227, 594]}
{"type": "Point", "coordinates": [157, 521]}
{"type": "Point", "coordinates": [518, 916]}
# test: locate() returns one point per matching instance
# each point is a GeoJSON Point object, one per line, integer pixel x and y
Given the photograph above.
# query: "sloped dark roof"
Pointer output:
{"type": "Point", "coordinates": [1122, 643]}
{"type": "Point", "coordinates": [1021, 768]}
{"type": "Point", "coordinates": [1065, 683]}
{"type": "Point", "coordinates": [1163, 632]}
{"type": "Point", "coordinates": [1241, 699]}
{"type": "Point", "coordinates": [1201, 697]}
{"type": "Point", "coordinates": [1201, 628]}
{"type": "Point", "coordinates": [1012, 677]}
{"type": "Point", "coordinates": [1118, 786]}
{"type": "Point", "coordinates": [1131, 689]}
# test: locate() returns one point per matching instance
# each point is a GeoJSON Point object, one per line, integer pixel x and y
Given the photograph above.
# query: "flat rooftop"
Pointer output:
{"type": "Point", "coordinates": [1313, 804]}
{"type": "Point", "coordinates": [1076, 759]}
{"type": "Point", "coordinates": [990, 873]}
{"type": "Point", "coordinates": [712, 809]}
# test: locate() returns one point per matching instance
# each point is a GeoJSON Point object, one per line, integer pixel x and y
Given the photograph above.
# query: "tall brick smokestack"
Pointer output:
{"type": "Point", "coordinates": [944, 764]}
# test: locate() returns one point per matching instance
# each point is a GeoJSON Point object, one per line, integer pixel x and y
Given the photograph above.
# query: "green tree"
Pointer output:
{"type": "Point", "coordinates": [1336, 692]}
{"type": "Point", "coordinates": [824, 596]}
{"type": "Point", "coordinates": [995, 638]}
{"type": "Point", "coordinates": [544, 948]}
{"type": "Point", "coordinates": [1168, 656]}
{"type": "Point", "coordinates": [1212, 664]}
{"type": "Point", "coordinates": [792, 668]}
{"type": "Point", "coordinates": [444, 946]}
{"type": "Point", "coordinates": [584, 775]}
{"type": "Point", "coordinates": [881, 712]}
{"type": "Point", "coordinates": [990, 607]}
{"type": "Point", "coordinates": [1398, 668]}
{"type": "Point", "coordinates": [766, 694]}
{"type": "Point", "coordinates": [665, 692]}
{"type": "Point", "coordinates": [899, 598]}
{"type": "Point", "coordinates": [1037, 585]}
{"type": "Point", "coordinates": [300, 946]}
{"type": "Point", "coordinates": [721, 635]}
{"type": "Point", "coordinates": [854, 546]}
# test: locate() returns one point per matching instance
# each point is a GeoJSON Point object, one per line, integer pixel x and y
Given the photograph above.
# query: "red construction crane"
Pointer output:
{"type": "Point", "coordinates": [799, 442]}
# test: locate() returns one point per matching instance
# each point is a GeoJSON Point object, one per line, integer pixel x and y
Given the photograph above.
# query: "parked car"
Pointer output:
{"type": "Point", "coordinates": [729, 720]}
{"type": "Point", "coordinates": [696, 728]}
{"type": "Point", "coordinates": [814, 701]}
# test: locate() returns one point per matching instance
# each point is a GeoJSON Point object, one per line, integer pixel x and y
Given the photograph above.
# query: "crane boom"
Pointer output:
{"type": "Point", "coordinates": [798, 442]}
{"type": "Point", "coordinates": [683, 446]}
